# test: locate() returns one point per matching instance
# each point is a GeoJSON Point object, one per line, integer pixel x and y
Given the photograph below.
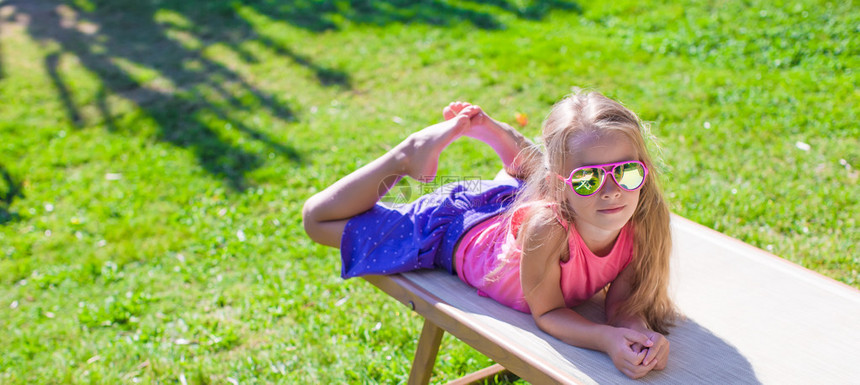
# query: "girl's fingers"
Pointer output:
{"type": "Point", "coordinates": [660, 363]}
{"type": "Point", "coordinates": [634, 358]}
{"type": "Point", "coordinates": [651, 356]}
{"type": "Point", "coordinates": [636, 372]}
{"type": "Point", "coordinates": [640, 357]}
{"type": "Point", "coordinates": [635, 337]}
{"type": "Point", "coordinates": [650, 361]}
{"type": "Point", "coordinates": [657, 352]}
{"type": "Point", "coordinates": [662, 359]}
{"type": "Point", "coordinates": [628, 373]}
{"type": "Point", "coordinates": [633, 367]}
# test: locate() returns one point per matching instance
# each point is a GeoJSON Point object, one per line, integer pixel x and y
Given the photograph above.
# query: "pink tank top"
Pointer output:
{"type": "Point", "coordinates": [493, 242]}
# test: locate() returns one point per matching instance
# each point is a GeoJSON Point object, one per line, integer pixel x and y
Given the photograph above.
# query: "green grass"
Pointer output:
{"type": "Point", "coordinates": [154, 157]}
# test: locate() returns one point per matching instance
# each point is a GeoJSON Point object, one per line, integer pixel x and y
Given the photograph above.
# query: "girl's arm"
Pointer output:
{"type": "Point", "coordinates": [619, 291]}
{"type": "Point", "coordinates": [540, 277]}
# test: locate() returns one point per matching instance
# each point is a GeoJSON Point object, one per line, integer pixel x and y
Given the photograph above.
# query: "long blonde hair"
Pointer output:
{"type": "Point", "coordinates": [584, 113]}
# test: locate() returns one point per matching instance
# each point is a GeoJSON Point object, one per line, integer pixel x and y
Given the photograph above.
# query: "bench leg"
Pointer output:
{"type": "Point", "coordinates": [425, 355]}
{"type": "Point", "coordinates": [484, 375]}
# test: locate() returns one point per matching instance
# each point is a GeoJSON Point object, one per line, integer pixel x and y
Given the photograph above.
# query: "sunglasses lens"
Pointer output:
{"type": "Point", "coordinates": [586, 181]}
{"type": "Point", "coordinates": [629, 176]}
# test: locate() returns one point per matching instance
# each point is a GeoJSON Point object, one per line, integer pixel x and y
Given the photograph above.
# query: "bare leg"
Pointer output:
{"type": "Point", "coordinates": [326, 213]}
{"type": "Point", "coordinates": [505, 140]}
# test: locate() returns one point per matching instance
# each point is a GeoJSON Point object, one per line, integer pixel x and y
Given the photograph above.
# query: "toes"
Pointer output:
{"type": "Point", "coordinates": [461, 119]}
{"type": "Point", "coordinates": [470, 111]}
{"type": "Point", "coordinates": [455, 108]}
{"type": "Point", "coordinates": [448, 112]}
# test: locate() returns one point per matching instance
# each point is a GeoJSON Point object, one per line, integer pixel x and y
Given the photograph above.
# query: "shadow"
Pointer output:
{"type": "Point", "coordinates": [321, 15]}
{"type": "Point", "coordinates": [9, 189]}
{"type": "Point", "coordinates": [326, 76]}
{"type": "Point", "coordinates": [104, 110]}
{"type": "Point", "coordinates": [2, 71]}
{"type": "Point", "coordinates": [153, 54]}
{"type": "Point", "coordinates": [536, 10]}
{"type": "Point", "coordinates": [201, 97]}
{"type": "Point", "coordinates": [697, 354]}
{"type": "Point", "coordinates": [51, 62]}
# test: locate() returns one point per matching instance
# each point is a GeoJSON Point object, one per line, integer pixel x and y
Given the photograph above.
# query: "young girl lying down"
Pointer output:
{"type": "Point", "coordinates": [582, 214]}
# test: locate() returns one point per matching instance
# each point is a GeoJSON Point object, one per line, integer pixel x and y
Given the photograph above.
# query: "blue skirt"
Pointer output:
{"type": "Point", "coordinates": [390, 239]}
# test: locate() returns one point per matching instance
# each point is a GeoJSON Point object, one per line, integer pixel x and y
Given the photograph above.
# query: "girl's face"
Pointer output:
{"type": "Point", "coordinates": [601, 216]}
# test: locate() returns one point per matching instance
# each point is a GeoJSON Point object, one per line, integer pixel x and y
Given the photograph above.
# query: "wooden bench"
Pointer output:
{"type": "Point", "coordinates": [751, 317]}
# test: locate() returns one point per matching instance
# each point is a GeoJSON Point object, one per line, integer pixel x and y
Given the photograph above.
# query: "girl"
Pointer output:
{"type": "Point", "coordinates": [584, 214]}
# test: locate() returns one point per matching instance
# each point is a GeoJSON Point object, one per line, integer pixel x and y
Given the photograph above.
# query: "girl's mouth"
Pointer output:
{"type": "Point", "coordinates": [612, 210]}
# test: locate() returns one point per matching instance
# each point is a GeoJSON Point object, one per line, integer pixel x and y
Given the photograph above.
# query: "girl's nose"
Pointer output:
{"type": "Point", "coordinates": [610, 189]}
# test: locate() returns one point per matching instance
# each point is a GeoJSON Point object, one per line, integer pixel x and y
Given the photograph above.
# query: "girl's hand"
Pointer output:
{"type": "Point", "coordinates": [625, 351]}
{"type": "Point", "coordinates": [658, 352]}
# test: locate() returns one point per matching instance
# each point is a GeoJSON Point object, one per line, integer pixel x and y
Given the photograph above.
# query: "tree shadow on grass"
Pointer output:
{"type": "Point", "coordinates": [52, 64]}
{"type": "Point", "coordinates": [199, 95]}
{"type": "Point", "coordinates": [2, 72]}
{"type": "Point", "coordinates": [195, 98]}
{"type": "Point", "coordinates": [9, 190]}
{"type": "Point", "coordinates": [324, 15]}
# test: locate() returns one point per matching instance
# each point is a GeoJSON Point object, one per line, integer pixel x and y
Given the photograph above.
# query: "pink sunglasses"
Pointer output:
{"type": "Point", "coordinates": [588, 180]}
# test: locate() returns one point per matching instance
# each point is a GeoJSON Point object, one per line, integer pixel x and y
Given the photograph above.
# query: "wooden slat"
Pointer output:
{"type": "Point", "coordinates": [751, 318]}
{"type": "Point", "coordinates": [468, 329]}
{"type": "Point", "coordinates": [790, 325]}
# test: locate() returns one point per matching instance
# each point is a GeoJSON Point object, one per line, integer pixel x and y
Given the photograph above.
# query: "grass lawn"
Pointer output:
{"type": "Point", "coordinates": [155, 155]}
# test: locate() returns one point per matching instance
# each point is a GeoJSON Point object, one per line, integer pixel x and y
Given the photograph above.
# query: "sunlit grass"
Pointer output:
{"type": "Point", "coordinates": [155, 155]}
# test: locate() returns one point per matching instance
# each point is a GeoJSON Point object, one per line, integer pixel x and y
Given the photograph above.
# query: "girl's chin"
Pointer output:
{"type": "Point", "coordinates": [606, 225]}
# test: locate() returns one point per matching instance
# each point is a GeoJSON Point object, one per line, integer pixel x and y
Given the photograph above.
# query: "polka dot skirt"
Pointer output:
{"type": "Point", "coordinates": [390, 239]}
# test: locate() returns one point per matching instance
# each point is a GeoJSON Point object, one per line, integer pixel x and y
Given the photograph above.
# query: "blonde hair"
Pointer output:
{"type": "Point", "coordinates": [577, 115]}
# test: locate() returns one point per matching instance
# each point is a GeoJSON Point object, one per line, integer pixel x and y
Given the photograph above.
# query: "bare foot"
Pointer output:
{"type": "Point", "coordinates": [419, 153]}
{"type": "Point", "coordinates": [453, 109]}
{"type": "Point", "coordinates": [504, 139]}
{"type": "Point", "coordinates": [483, 127]}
